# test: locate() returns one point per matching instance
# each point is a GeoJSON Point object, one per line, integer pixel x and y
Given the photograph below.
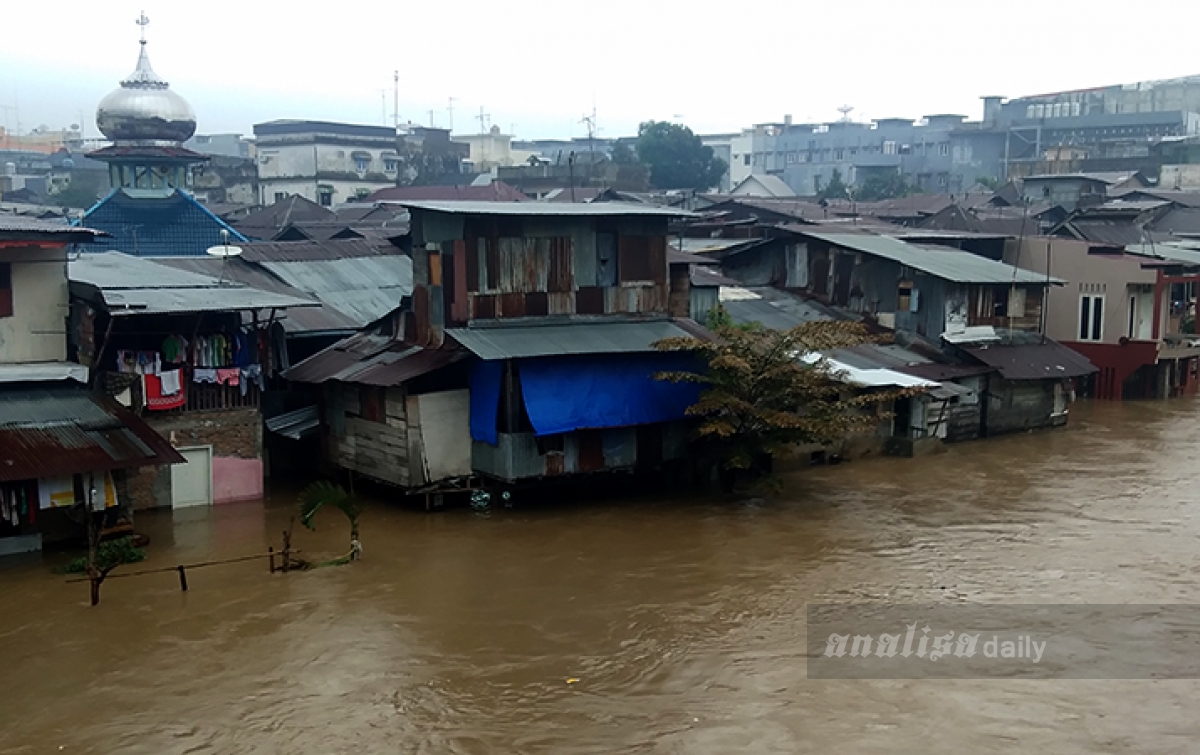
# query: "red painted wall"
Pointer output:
{"type": "Point", "coordinates": [1116, 362]}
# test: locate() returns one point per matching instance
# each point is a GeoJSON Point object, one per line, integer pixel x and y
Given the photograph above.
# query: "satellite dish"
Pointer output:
{"type": "Point", "coordinates": [224, 250]}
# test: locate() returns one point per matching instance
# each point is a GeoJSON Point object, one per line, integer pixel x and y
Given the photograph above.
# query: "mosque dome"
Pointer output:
{"type": "Point", "coordinates": [144, 109]}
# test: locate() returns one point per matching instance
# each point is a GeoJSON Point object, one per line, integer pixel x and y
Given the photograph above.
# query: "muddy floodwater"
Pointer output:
{"type": "Point", "coordinates": [652, 624]}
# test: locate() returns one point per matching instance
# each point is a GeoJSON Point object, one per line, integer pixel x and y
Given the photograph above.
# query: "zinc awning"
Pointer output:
{"type": "Point", "coordinates": [60, 432]}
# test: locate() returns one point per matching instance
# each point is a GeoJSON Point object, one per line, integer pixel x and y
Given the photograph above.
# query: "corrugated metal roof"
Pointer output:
{"type": "Point", "coordinates": [370, 359]}
{"type": "Point", "coordinates": [35, 372]}
{"type": "Point", "coordinates": [56, 433]}
{"type": "Point", "coordinates": [1033, 361]}
{"type": "Point", "coordinates": [773, 308]}
{"type": "Point", "coordinates": [548, 209]}
{"type": "Point", "coordinates": [315, 250]}
{"type": "Point", "coordinates": [363, 289]}
{"type": "Point", "coordinates": [128, 285]}
{"type": "Point", "coordinates": [300, 320]}
{"type": "Point", "coordinates": [21, 226]}
{"type": "Point", "coordinates": [583, 337]}
{"type": "Point", "coordinates": [868, 377]}
{"type": "Point", "coordinates": [493, 191]}
{"type": "Point", "coordinates": [296, 424]}
{"type": "Point", "coordinates": [942, 262]}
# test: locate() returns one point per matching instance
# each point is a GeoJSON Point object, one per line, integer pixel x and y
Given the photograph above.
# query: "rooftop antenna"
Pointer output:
{"type": "Point", "coordinates": [590, 122]}
{"type": "Point", "coordinates": [484, 119]}
{"type": "Point", "coordinates": [224, 250]}
{"type": "Point", "coordinates": [845, 110]}
{"type": "Point", "coordinates": [143, 22]}
{"type": "Point", "coordinates": [450, 112]}
{"type": "Point", "coordinates": [383, 105]}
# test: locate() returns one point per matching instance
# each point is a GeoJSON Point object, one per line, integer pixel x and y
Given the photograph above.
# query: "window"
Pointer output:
{"type": "Point", "coordinates": [746, 159]}
{"type": "Point", "coordinates": [791, 157]}
{"type": "Point", "coordinates": [904, 296]}
{"type": "Point", "coordinates": [390, 164]}
{"type": "Point", "coordinates": [280, 196]}
{"type": "Point", "coordinates": [1000, 301]}
{"type": "Point", "coordinates": [944, 149]}
{"type": "Point", "coordinates": [362, 164]}
{"type": "Point", "coordinates": [325, 198]}
{"type": "Point", "coordinates": [1091, 318]}
{"type": "Point", "coordinates": [839, 154]}
{"type": "Point", "coordinates": [6, 290]}
{"type": "Point", "coordinates": [889, 148]}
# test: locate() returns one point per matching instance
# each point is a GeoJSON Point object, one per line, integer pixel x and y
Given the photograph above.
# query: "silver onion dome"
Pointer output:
{"type": "Point", "coordinates": [144, 109]}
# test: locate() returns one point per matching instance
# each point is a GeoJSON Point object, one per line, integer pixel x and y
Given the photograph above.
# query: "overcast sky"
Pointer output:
{"type": "Point", "coordinates": [538, 66]}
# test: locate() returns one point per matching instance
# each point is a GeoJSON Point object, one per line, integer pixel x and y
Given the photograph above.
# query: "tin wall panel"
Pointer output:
{"type": "Point", "coordinates": [561, 304]}
{"type": "Point", "coordinates": [512, 305]}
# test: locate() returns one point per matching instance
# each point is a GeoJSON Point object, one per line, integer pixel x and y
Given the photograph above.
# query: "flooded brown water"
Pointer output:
{"type": "Point", "coordinates": [681, 620]}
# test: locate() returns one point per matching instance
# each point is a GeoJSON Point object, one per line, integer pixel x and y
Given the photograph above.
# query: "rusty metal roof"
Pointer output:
{"type": "Point", "coordinates": [1033, 361]}
{"type": "Point", "coordinates": [370, 359]}
{"type": "Point", "coordinates": [61, 432]}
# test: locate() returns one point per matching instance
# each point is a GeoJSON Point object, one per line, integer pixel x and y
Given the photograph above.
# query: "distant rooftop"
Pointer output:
{"type": "Point", "coordinates": [548, 209]}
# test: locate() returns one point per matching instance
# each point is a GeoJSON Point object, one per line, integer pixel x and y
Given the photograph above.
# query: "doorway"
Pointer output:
{"type": "Point", "coordinates": [191, 483]}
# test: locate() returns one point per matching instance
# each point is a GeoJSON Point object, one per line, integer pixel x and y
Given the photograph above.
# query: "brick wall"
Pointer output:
{"type": "Point", "coordinates": [235, 433]}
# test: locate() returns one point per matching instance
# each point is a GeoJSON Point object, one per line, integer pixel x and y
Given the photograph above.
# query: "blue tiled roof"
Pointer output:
{"type": "Point", "coordinates": [156, 224]}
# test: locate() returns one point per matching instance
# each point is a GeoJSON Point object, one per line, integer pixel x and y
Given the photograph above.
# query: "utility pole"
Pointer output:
{"type": "Point", "coordinates": [396, 99]}
{"type": "Point", "coordinates": [382, 106]}
{"type": "Point", "coordinates": [431, 119]}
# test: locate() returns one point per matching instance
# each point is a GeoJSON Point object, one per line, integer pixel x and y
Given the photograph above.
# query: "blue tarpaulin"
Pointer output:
{"type": "Point", "coordinates": [485, 400]}
{"type": "Point", "coordinates": [610, 390]}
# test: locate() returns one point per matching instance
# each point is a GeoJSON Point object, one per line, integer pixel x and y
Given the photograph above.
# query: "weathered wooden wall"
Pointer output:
{"type": "Point", "coordinates": [368, 431]}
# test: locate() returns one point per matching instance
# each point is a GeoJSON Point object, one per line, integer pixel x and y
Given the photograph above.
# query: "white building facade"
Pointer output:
{"type": "Point", "coordinates": [328, 163]}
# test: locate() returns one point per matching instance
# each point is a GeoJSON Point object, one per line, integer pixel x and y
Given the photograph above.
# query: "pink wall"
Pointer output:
{"type": "Point", "coordinates": [237, 479]}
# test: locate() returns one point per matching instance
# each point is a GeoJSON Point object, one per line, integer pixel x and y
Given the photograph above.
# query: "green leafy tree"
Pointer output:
{"type": "Point", "coordinates": [82, 192]}
{"type": "Point", "coordinates": [889, 186]}
{"type": "Point", "coordinates": [676, 157]}
{"type": "Point", "coordinates": [622, 154]}
{"type": "Point", "coordinates": [321, 494]}
{"type": "Point", "coordinates": [835, 189]}
{"type": "Point", "coordinates": [759, 397]}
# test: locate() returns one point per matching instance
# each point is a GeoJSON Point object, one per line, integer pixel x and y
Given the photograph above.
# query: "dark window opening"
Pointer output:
{"type": "Point", "coordinates": [6, 291]}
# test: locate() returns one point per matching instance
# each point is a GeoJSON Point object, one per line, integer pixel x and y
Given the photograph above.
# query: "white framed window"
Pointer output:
{"type": "Point", "coordinates": [889, 148]}
{"type": "Point", "coordinates": [1091, 317]}
{"type": "Point", "coordinates": [363, 164]}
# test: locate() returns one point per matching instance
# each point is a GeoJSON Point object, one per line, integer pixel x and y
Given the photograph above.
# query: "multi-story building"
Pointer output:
{"type": "Point", "coordinates": [805, 155]}
{"type": "Point", "coordinates": [327, 163]}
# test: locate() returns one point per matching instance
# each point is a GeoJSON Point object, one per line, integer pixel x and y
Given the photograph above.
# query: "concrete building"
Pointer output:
{"type": "Point", "coordinates": [57, 440]}
{"type": "Point", "coordinates": [1124, 310]}
{"type": "Point", "coordinates": [806, 155]}
{"type": "Point", "coordinates": [223, 145]}
{"type": "Point", "coordinates": [493, 149]}
{"type": "Point", "coordinates": [327, 163]}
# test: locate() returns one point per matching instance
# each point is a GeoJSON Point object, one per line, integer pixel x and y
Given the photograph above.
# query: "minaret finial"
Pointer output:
{"type": "Point", "coordinates": [143, 22]}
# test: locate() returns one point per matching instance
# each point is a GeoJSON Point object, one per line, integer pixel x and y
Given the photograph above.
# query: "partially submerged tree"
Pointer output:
{"type": "Point", "coordinates": [759, 397]}
{"type": "Point", "coordinates": [321, 494]}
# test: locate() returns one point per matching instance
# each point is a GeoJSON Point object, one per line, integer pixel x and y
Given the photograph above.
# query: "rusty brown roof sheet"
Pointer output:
{"type": "Point", "coordinates": [61, 432]}
{"type": "Point", "coordinates": [1033, 361]}
{"type": "Point", "coordinates": [370, 359]}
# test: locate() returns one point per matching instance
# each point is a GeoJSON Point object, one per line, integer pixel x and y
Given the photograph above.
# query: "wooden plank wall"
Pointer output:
{"type": "Point", "coordinates": [372, 448]}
